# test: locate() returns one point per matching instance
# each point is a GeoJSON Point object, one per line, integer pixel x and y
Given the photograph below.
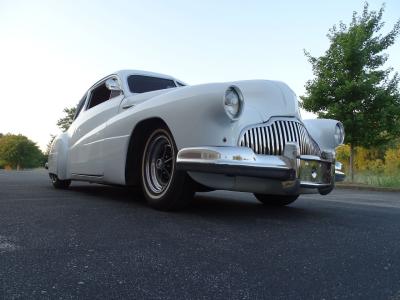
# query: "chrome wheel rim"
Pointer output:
{"type": "Point", "coordinates": [159, 164]}
{"type": "Point", "coordinates": [53, 178]}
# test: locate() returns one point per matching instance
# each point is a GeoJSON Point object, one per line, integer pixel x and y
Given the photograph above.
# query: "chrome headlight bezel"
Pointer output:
{"type": "Point", "coordinates": [233, 115]}
{"type": "Point", "coordinates": [339, 133]}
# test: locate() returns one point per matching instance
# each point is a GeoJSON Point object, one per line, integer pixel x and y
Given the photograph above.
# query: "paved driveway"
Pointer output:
{"type": "Point", "coordinates": [99, 241]}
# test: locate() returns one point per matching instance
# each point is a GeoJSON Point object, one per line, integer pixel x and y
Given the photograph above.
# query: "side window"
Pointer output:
{"type": "Point", "coordinates": [101, 94]}
{"type": "Point", "coordinates": [180, 83]}
{"type": "Point", "coordinates": [80, 106]}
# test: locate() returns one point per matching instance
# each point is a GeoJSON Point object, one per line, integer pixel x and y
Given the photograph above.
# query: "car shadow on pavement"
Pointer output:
{"type": "Point", "coordinates": [214, 205]}
{"type": "Point", "coordinates": [111, 193]}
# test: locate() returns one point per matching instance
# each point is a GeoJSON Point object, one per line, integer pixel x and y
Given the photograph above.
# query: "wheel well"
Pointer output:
{"type": "Point", "coordinates": [136, 145]}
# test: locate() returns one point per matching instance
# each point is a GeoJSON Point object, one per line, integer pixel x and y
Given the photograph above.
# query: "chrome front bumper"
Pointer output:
{"type": "Point", "coordinates": [291, 170]}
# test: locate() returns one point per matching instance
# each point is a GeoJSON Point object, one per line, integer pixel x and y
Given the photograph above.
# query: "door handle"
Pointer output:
{"type": "Point", "coordinates": [127, 106]}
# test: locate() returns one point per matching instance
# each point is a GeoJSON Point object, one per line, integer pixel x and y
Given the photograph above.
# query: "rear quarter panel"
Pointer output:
{"type": "Point", "coordinates": [58, 157]}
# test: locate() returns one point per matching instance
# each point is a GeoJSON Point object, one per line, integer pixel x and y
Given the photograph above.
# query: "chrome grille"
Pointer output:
{"type": "Point", "coordinates": [271, 138]}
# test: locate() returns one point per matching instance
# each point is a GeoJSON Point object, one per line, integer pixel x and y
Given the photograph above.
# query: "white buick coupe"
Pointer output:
{"type": "Point", "coordinates": [136, 128]}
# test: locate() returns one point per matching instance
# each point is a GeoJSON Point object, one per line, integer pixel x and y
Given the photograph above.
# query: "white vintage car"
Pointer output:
{"type": "Point", "coordinates": [136, 128]}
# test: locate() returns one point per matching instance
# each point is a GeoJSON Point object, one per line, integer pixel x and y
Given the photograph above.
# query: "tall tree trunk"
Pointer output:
{"type": "Point", "coordinates": [352, 162]}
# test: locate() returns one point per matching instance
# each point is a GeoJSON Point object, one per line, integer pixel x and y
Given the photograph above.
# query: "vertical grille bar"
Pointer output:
{"type": "Point", "coordinates": [274, 139]}
{"type": "Point", "coordinates": [251, 139]}
{"type": "Point", "coordinates": [260, 149]}
{"type": "Point", "coordinates": [255, 139]}
{"type": "Point", "coordinates": [281, 141]}
{"type": "Point", "coordinates": [284, 136]}
{"type": "Point", "coordinates": [281, 138]}
{"type": "Point", "coordinates": [292, 131]}
{"type": "Point", "coordinates": [270, 139]}
{"type": "Point", "coordinates": [271, 148]}
{"type": "Point", "coordinates": [286, 124]}
{"type": "Point", "coordinates": [267, 140]}
{"type": "Point", "coordinates": [296, 136]}
{"type": "Point", "coordinates": [300, 139]}
{"type": "Point", "coordinates": [262, 140]}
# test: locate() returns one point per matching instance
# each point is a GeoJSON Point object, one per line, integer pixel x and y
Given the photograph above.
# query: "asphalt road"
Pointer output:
{"type": "Point", "coordinates": [103, 242]}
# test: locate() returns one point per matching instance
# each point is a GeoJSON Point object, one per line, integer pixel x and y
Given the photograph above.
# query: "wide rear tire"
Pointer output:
{"type": "Point", "coordinates": [164, 187]}
{"type": "Point", "coordinates": [59, 184]}
{"type": "Point", "coordinates": [276, 200]}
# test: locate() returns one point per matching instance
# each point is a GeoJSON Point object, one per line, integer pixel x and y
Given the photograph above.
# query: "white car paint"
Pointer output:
{"type": "Point", "coordinates": [95, 147]}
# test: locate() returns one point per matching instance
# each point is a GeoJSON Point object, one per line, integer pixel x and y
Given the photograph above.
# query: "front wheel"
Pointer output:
{"type": "Point", "coordinates": [59, 184]}
{"type": "Point", "coordinates": [276, 200]}
{"type": "Point", "coordinates": [164, 187]}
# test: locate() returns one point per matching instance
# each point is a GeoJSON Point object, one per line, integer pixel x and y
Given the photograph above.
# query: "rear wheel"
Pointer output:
{"type": "Point", "coordinates": [59, 184]}
{"type": "Point", "coordinates": [276, 200]}
{"type": "Point", "coordinates": [164, 187]}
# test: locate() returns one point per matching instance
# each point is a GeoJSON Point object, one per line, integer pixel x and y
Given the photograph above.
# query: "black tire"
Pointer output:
{"type": "Point", "coordinates": [59, 184]}
{"type": "Point", "coordinates": [276, 200]}
{"type": "Point", "coordinates": [163, 186]}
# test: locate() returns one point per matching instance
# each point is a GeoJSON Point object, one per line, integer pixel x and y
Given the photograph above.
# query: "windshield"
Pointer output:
{"type": "Point", "coordinates": [143, 84]}
{"type": "Point", "coordinates": [80, 106]}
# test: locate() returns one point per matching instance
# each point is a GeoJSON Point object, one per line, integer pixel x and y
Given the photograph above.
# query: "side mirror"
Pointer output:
{"type": "Point", "coordinates": [113, 85]}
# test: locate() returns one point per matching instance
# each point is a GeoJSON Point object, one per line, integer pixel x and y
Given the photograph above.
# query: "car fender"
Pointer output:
{"type": "Point", "coordinates": [322, 131]}
{"type": "Point", "coordinates": [58, 157]}
{"type": "Point", "coordinates": [195, 116]}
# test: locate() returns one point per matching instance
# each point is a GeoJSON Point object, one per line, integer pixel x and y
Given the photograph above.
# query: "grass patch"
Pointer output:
{"type": "Point", "coordinates": [378, 180]}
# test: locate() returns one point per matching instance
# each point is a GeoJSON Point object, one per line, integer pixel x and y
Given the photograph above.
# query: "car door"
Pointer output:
{"type": "Point", "coordinates": [87, 138]}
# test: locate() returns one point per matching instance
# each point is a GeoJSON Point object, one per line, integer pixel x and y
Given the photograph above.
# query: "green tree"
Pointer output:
{"type": "Point", "coordinates": [48, 146]}
{"type": "Point", "coordinates": [351, 85]}
{"type": "Point", "coordinates": [19, 152]}
{"type": "Point", "coordinates": [66, 121]}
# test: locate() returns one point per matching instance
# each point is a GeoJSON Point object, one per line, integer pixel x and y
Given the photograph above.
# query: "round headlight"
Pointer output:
{"type": "Point", "coordinates": [233, 102]}
{"type": "Point", "coordinates": [339, 133]}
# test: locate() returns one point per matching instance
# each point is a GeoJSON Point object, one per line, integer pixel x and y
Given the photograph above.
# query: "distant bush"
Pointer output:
{"type": "Point", "coordinates": [392, 161]}
{"type": "Point", "coordinates": [373, 166]}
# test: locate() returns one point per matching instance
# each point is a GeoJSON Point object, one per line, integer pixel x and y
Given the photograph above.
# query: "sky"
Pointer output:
{"type": "Point", "coordinates": [51, 52]}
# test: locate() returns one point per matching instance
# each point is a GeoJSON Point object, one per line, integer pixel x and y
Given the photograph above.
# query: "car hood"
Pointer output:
{"type": "Point", "coordinates": [269, 98]}
{"type": "Point", "coordinates": [264, 98]}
